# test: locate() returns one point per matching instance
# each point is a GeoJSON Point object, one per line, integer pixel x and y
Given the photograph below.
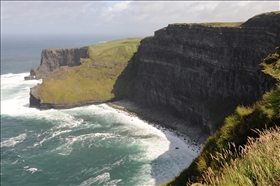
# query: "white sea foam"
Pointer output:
{"type": "Point", "coordinates": [151, 138]}
{"type": "Point", "coordinates": [97, 180]}
{"type": "Point", "coordinates": [31, 170]}
{"type": "Point", "coordinates": [86, 139]}
{"type": "Point", "coordinates": [11, 142]}
{"type": "Point", "coordinates": [53, 134]}
{"type": "Point", "coordinates": [114, 182]}
{"type": "Point", "coordinates": [15, 94]}
{"type": "Point", "coordinates": [158, 146]}
{"type": "Point", "coordinates": [169, 153]}
{"type": "Point", "coordinates": [7, 75]}
{"type": "Point", "coordinates": [15, 162]}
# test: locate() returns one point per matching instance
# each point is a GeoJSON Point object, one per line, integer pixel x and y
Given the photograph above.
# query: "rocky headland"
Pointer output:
{"type": "Point", "coordinates": [198, 72]}
{"type": "Point", "coordinates": [82, 76]}
{"type": "Point", "coordinates": [52, 59]}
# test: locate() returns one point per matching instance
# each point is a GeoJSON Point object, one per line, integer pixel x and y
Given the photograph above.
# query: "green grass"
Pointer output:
{"type": "Point", "coordinates": [258, 163]}
{"type": "Point", "coordinates": [272, 64]}
{"type": "Point", "coordinates": [267, 14]}
{"type": "Point", "coordinates": [222, 24]}
{"type": "Point", "coordinates": [95, 78]}
{"type": "Point", "coordinates": [237, 128]}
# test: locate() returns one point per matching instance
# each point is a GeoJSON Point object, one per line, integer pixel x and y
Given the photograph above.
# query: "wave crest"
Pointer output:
{"type": "Point", "coordinates": [11, 142]}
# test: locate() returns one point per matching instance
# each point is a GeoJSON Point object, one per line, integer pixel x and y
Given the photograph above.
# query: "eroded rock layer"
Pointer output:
{"type": "Point", "coordinates": [204, 72]}
{"type": "Point", "coordinates": [52, 59]}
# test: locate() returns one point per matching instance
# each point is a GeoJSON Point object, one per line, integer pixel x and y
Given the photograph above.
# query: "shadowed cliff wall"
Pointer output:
{"type": "Point", "coordinates": [52, 59]}
{"type": "Point", "coordinates": [204, 72]}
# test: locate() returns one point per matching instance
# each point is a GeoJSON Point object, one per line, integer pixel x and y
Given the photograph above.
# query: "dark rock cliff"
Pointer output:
{"type": "Point", "coordinates": [52, 59]}
{"type": "Point", "coordinates": [200, 72]}
{"type": "Point", "coordinates": [204, 72]}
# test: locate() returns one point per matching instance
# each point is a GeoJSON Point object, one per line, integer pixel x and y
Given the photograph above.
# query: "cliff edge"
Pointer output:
{"type": "Point", "coordinates": [52, 59]}
{"type": "Point", "coordinates": [83, 76]}
{"type": "Point", "coordinates": [205, 71]}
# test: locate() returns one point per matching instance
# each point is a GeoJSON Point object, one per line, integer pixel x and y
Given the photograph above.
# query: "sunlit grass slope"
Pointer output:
{"type": "Point", "coordinates": [236, 130]}
{"type": "Point", "coordinates": [94, 79]}
{"type": "Point", "coordinates": [258, 163]}
{"type": "Point", "coordinates": [222, 24]}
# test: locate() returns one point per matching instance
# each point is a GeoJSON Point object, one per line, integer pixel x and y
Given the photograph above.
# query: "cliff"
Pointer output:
{"type": "Point", "coordinates": [200, 72]}
{"type": "Point", "coordinates": [204, 71]}
{"type": "Point", "coordinates": [82, 76]}
{"type": "Point", "coordinates": [52, 59]}
{"type": "Point", "coordinates": [242, 126]}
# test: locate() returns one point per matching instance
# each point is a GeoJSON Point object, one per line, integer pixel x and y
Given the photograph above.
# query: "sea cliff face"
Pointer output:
{"type": "Point", "coordinates": [52, 59]}
{"type": "Point", "coordinates": [201, 72]}
{"type": "Point", "coordinates": [83, 76]}
{"type": "Point", "coordinates": [204, 72]}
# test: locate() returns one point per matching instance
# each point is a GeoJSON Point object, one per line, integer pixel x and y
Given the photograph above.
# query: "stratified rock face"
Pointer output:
{"type": "Point", "coordinates": [205, 72]}
{"type": "Point", "coordinates": [34, 100]}
{"type": "Point", "coordinates": [52, 59]}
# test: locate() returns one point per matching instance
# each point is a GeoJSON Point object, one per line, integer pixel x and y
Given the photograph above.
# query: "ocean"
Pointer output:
{"type": "Point", "coordinates": [91, 145]}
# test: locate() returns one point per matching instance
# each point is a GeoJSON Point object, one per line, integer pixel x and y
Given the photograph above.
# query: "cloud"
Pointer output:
{"type": "Point", "coordinates": [120, 17]}
{"type": "Point", "coordinates": [119, 6]}
{"type": "Point", "coordinates": [236, 11]}
{"type": "Point", "coordinates": [58, 11]}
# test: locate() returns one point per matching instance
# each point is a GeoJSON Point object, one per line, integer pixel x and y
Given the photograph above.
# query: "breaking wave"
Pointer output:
{"type": "Point", "coordinates": [11, 142]}
{"type": "Point", "coordinates": [91, 145]}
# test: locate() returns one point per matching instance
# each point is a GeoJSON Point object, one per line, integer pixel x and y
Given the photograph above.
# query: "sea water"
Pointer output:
{"type": "Point", "coordinates": [91, 145]}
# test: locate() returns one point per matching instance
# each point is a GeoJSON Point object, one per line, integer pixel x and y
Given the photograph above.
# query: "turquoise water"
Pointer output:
{"type": "Point", "coordinates": [92, 145]}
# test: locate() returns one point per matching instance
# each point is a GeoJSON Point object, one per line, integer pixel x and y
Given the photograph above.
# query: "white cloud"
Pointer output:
{"type": "Point", "coordinates": [120, 6]}
{"type": "Point", "coordinates": [121, 17]}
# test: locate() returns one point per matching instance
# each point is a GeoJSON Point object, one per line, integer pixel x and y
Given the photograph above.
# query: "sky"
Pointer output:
{"type": "Point", "coordinates": [127, 18]}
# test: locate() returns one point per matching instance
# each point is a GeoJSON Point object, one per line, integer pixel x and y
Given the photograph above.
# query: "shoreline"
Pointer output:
{"type": "Point", "coordinates": [167, 123]}
{"type": "Point", "coordinates": [159, 117]}
{"type": "Point", "coordinates": [185, 147]}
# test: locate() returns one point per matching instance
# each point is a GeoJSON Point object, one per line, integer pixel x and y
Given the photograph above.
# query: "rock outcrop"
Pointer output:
{"type": "Point", "coordinates": [91, 82]}
{"type": "Point", "coordinates": [31, 76]}
{"type": "Point", "coordinates": [204, 72]}
{"type": "Point", "coordinates": [52, 59]}
{"type": "Point", "coordinates": [34, 100]}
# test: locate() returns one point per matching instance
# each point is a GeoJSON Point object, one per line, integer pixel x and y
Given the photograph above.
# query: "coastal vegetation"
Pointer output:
{"type": "Point", "coordinates": [226, 150]}
{"type": "Point", "coordinates": [94, 79]}
{"type": "Point", "coordinates": [222, 24]}
{"type": "Point", "coordinates": [257, 162]}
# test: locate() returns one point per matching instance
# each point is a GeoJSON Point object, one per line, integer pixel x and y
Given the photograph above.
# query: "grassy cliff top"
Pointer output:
{"type": "Point", "coordinates": [222, 24]}
{"type": "Point", "coordinates": [209, 24]}
{"type": "Point", "coordinates": [94, 79]}
{"type": "Point", "coordinates": [267, 14]}
{"type": "Point", "coordinates": [261, 17]}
